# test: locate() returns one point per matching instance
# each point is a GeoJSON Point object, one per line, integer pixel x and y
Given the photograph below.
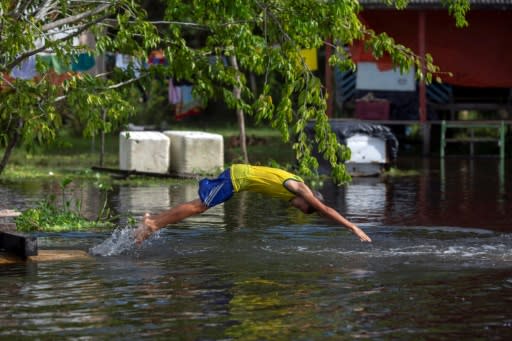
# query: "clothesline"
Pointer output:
{"type": "Point", "coordinates": [180, 93]}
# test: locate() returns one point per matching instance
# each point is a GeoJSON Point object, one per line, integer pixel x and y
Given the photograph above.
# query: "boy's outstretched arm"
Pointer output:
{"type": "Point", "coordinates": [302, 190]}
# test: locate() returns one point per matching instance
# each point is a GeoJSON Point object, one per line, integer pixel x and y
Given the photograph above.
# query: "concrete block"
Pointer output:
{"type": "Point", "coordinates": [368, 155]}
{"type": "Point", "coordinates": [367, 149]}
{"type": "Point", "coordinates": [144, 151]}
{"type": "Point", "coordinates": [195, 152]}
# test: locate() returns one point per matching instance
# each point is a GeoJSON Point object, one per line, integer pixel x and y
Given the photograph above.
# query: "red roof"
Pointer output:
{"type": "Point", "coordinates": [434, 4]}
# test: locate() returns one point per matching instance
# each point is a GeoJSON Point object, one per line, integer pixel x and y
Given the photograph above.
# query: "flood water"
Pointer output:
{"type": "Point", "coordinates": [439, 267]}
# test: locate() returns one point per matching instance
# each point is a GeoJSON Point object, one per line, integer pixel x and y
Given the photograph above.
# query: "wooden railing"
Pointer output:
{"type": "Point", "coordinates": [472, 139]}
{"type": "Point", "coordinates": [471, 125]}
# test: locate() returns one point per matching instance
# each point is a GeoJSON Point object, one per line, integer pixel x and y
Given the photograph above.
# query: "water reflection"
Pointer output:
{"type": "Point", "coordinates": [366, 197]}
{"type": "Point", "coordinates": [468, 169]}
{"type": "Point", "coordinates": [143, 199]}
{"type": "Point", "coordinates": [155, 199]}
{"type": "Point", "coordinates": [451, 192]}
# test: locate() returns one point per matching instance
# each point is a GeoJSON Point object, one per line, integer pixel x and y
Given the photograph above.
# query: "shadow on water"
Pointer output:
{"type": "Point", "coordinates": [253, 268]}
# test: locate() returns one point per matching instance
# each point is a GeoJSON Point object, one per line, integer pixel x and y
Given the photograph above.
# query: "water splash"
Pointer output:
{"type": "Point", "coordinates": [119, 242]}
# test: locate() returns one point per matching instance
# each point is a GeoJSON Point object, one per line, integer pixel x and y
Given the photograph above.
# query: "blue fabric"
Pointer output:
{"type": "Point", "coordinates": [216, 191]}
{"type": "Point", "coordinates": [82, 62]}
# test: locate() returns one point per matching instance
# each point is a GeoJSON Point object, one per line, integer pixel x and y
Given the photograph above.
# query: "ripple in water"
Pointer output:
{"type": "Point", "coordinates": [120, 241]}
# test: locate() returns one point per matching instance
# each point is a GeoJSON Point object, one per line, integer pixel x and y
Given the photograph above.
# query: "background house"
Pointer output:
{"type": "Point", "coordinates": [475, 61]}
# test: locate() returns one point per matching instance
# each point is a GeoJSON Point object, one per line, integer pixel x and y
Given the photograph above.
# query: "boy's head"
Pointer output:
{"type": "Point", "coordinates": [303, 205]}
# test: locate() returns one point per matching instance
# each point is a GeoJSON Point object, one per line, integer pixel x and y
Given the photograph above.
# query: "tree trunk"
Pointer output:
{"type": "Point", "coordinates": [13, 141]}
{"type": "Point", "coordinates": [102, 143]}
{"type": "Point", "coordinates": [239, 112]}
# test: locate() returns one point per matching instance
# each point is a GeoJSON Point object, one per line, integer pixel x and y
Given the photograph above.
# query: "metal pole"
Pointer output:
{"type": "Point", "coordinates": [443, 138]}
{"type": "Point", "coordinates": [502, 140]}
{"type": "Point", "coordinates": [471, 141]}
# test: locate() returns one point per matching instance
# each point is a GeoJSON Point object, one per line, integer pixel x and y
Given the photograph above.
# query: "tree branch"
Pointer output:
{"type": "Point", "coordinates": [7, 81]}
{"type": "Point", "coordinates": [44, 10]}
{"type": "Point", "coordinates": [75, 18]}
{"type": "Point", "coordinates": [20, 8]}
{"type": "Point", "coordinates": [111, 87]}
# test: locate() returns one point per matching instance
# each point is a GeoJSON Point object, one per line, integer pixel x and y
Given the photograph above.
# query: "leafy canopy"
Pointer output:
{"type": "Point", "coordinates": [265, 36]}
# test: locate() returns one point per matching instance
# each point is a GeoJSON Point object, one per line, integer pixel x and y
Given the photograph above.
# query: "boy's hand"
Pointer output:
{"type": "Point", "coordinates": [144, 230]}
{"type": "Point", "coordinates": [360, 233]}
{"type": "Point", "coordinates": [141, 233]}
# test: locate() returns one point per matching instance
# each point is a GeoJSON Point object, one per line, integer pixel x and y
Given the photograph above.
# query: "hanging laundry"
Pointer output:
{"type": "Point", "coordinates": [157, 57]}
{"type": "Point", "coordinates": [187, 98]}
{"type": "Point", "coordinates": [215, 59]}
{"type": "Point", "coordinates": [182, 98]}
{"type": "Point", "coordinates": [124, 62]}
{"type": "Point", "coordinates": [83, 62]}
{"type": "Point", "coordinates": [26, 70]}
{"type": "Point", "coordinates": [310, 58]}
{"type": "Point", "coordinates": [174, 93]}
{"type": "Point", "coordinates": [55, 63]}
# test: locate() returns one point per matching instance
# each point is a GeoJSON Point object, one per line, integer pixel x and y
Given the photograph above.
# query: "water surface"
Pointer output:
{"type": "Point", "coordinates": [439, 267]}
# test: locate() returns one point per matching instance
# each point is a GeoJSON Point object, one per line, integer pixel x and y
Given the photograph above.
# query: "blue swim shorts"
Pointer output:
{"type": "Point", "coordinates": [216, 191]}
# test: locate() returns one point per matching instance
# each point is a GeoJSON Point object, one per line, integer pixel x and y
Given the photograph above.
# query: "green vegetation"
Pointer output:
{"type": "Point", "coordinates": [219, 46]}
{"type": "Point", "coordinates": [49, 216]}
{"type": "Point", "coordinates": [395, 172]}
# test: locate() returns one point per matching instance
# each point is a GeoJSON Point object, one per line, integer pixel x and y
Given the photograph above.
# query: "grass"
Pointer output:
{"type": "Point", "coordinates": [395, 172]}
{"type": "Point", "coordinates": [74, 156]}
{"type": "Point", "coordinates": [48, 217]}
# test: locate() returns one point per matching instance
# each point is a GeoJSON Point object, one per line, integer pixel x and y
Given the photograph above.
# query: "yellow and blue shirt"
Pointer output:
{"type": "Point", "coordinates": [266, 180]}
{"type": "Point", "coordinates": [239, 177]}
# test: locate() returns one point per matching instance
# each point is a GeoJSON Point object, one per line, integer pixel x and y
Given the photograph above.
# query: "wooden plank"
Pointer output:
{"type": "Point", "coordinates": [9, 213]}
{"type": "Point", "coordinates": [463, 124]}
{"type": "Point", "coordinates": [46, 256]}
{"type": "Point", "coordinates": [18, 244]}
{"type": "Point", "coordinates": [8, 227]}
{"type": "Point", "coordinates": [6, 258]}
{"type": "Point", "coordinates": [59, 255]}
{"type": "Point", "coordinates": [126, 173]}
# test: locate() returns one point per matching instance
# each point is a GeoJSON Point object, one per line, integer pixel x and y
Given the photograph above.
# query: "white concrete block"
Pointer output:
{"type": "Point", "coordinates": [194, 152]}
{"type": "Point", "coordinates": [144, 151]}
{"type": "Point", "coordinates": [366, 149]}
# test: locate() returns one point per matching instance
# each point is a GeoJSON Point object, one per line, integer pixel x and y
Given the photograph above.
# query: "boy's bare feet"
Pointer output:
{"type": "Point", "coordinates": [146, 229]}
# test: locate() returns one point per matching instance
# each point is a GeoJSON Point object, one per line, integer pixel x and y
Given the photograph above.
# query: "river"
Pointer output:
{"type": "Point", "coordinates": [439, 267]}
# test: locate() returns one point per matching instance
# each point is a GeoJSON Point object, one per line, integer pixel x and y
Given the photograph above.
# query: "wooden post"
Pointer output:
{"type": "Point", "coordinates": [102, 139]}
{"type": "Point", "coordinates": [422, 87]}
